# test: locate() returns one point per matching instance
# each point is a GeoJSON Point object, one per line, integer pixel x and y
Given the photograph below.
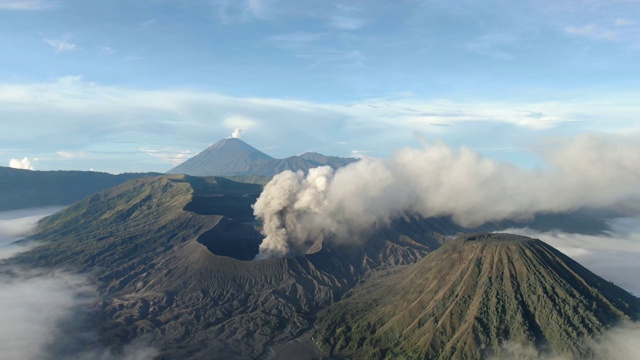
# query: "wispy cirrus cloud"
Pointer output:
{"type": "Point", "coordinates": [71, 154]}
{"type": "Point", "coordinates": [343, 22]}
{"type": "Point", "coordinates": [168, 154]}
{"type": "Point", "coordinates": [106, 50]}
{"type": "Point", "coordinates": [62, 44]}
{"type": "Point", "coordinates": [347, 18]}
{"type": "Point", "coordinates": [28, 5]}
{"type": "Point", "coordinates": [593, 31]}
{"type": "Point", "coordinates": [494, 45]}
{"type": "Point", "coordinates": [242, 11]}
{"type": "Point", "coordinates": [315, 47]}
{"type": "Point", "coordinates": [296, 40]}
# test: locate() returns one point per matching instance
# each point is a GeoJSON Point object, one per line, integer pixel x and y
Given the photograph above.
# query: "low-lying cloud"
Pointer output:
{"type": "Point", "coordinates": [44, 314]}
{"type": "Point", "coordinates": [31, 306]}
{"type": "Point", "coordinates": [17, 224]}
{"type": "Point", "coordinates": [584, 172]}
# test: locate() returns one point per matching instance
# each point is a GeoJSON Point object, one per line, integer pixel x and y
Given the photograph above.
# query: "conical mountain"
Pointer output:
{"type": "Point", "coordinates": [474, 298]}
{"type": "Point", "coordinates": [234, 157]}
{"type": "Point", "coordinates": [226, 157]}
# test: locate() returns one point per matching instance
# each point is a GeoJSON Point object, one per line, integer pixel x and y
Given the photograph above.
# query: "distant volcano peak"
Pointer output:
{"type": "Point", "coordinates": [234, 157]}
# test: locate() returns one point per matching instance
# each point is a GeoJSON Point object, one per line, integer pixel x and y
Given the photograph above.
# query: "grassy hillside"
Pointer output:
{"type": "Point", "coordinates": [472, 296]}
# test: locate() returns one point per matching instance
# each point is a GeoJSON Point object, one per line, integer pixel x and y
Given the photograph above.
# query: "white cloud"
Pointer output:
{"type": "Point", "coordinates": [296, 40]}
{"type": "Point", "coordinates": [17, 224]}
{"type": "Point", "coordinates": [24, 163]}
{"type": "Point", "coordinates": [71, 154]}
{"type": "Point", "coordinates": [31, 304]}
{"type": "Point", "coordinates": [27, 4]}
{"type": "Point", "coordinates": [73, 113]}
{"type": "Point", "coordinates": [61, 45]}
{"type": "Point", "coordinates": [346, 22]}
{"type": "Point", "coordinates": [620, 22]}
{"type": "Point", "coordinates": [240, 11]}
{"type": "Point", "coordinates": [39, 309]}
{"type": "Point", "coordinates": [593, 31]}
{"type": "Point", "coordinates": [493, 45]}
{"type": "Point", "coordinates": [168, 155]}
{"type": "Point", "coordinates": [40, 315]}
{"type": "Point", "coordinates": [347, 18]}
{"type": "Point", "coordinates": [106, 50]}
{"type": "Point", "coordinates": [235, 121]}
{"type": "Point", "coordinates": [360, 154]}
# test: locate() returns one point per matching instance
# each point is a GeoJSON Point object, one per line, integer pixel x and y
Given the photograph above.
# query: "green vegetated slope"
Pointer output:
{"type": "Point", "coordinates": [471, 299]}
{"type": "Point", "coordinates": [170, 256]}
{"type": "Point", "coordinates": [116, 230]}
{"type": "Point", "coordinates": [23, 189]}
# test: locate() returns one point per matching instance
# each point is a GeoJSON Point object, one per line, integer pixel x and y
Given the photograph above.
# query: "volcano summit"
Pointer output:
{"type": "Point", "coordinates": [475, 298]}
{"type": "Point", "coordinates": [234, 157]}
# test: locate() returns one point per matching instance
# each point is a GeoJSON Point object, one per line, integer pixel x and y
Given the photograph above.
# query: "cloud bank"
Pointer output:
{"type": "Point", "coordinates": [44, 314]}
{"type": "Point", "coordinates": [17, 224]}
{"type": "Point", "coordinates": [585, 172]}
{"type": "Point", "coordinates": [31, 304]}
{"type": "Point", "coordinates": [73, 114]}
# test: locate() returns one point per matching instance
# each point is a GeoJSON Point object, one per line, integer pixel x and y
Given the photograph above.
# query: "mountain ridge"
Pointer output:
{"type": "Point", "coordinates": [234, 157]}
{"type": "Point", "coordinates": [35, 188]}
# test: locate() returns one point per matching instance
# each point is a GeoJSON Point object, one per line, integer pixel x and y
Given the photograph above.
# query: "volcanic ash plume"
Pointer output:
{"type": "Point", "coordinates": [236, 133]}
{"type": "Point", "coordinates": [297, 210]}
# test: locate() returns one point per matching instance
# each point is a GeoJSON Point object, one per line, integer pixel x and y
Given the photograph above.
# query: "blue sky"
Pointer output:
{"type": "Point", "coordinates": [141, 85]}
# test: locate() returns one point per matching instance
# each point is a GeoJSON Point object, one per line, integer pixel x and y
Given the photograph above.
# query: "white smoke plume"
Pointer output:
{"type": "Point", "coordinates": [585, 172]}
{"type": "Point", "coordinates": [21, 163]}
{"type": "Point", "coordinates": [236, 133]}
